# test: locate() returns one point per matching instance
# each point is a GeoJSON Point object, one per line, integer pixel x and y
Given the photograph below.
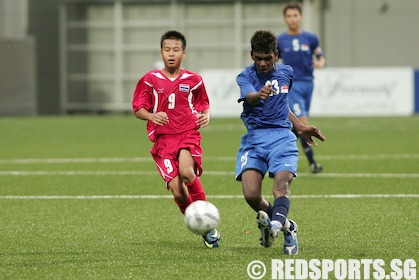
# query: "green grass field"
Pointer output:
{"type": "Point", "coordinates": [80, 198]}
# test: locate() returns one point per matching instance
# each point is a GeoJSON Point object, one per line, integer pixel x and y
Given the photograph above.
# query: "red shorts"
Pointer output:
{"type": "Point", "coordinates": [166, 150]}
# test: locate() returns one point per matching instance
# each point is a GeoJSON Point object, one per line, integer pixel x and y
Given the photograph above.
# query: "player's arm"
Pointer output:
{"type": "Point", "coordinates": [306, 131]}
{"type": "Point", "coordinates": [203, 118]}
{"type": "Point", "coordinates": [202, 106]}
{"type": "Point", "coordinates": [159, 118]}
{"type": "Point", "coordinates": [319, 60]}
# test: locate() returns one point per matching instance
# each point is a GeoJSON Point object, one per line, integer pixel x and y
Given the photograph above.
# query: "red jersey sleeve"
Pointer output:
{"type": "Point", "coordinates": [143, 94]}
{"type": "Point", "coordinates": [144, 98]}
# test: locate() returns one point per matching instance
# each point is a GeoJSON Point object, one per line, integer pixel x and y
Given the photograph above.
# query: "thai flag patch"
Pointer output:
{"type": "Point", "coordinates": [184, 88]}
{"type": "Point", "coordinates": [305, 47]}
{"type": "Point", "coordinates": [284, 89]}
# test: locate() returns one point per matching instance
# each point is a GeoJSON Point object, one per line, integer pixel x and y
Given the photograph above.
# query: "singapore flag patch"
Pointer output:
{"type": "Point", "coordinates": [284, 89]}
{"type": "Point", "coordinates": [305, 47]}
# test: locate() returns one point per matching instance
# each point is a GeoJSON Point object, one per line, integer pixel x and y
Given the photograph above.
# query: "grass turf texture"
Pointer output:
{"type": "Point", "coordinates": [78, 226]}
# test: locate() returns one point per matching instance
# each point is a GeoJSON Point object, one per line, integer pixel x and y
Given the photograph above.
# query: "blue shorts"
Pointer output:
{"type": "Point", "coordinates": [299, 97]}
{"type": "Point", "coordinates": [267, 150]}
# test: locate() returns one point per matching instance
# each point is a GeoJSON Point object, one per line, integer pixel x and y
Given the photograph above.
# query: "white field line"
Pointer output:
{"type": "Point", "coordinates": [368, 157]}
{"type": "Point", "coordinates": [226, 158]}
{"type": "Point", "coordinates": [339, 196]}
{"type": "Point", "coordinates": [206, 173]}
{"type": "Point", "coordinates": [75, 160]}
{"type": "Point", "coordinates": [76, 173]}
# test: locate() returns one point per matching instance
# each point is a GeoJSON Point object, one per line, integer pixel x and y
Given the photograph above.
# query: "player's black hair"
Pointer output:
{"type": "Point", "coordinates": [263, 41]}
{"type": "Point", "coordinates": [173, 34]}
{"type": "Point", "coordinates": [293, 6]}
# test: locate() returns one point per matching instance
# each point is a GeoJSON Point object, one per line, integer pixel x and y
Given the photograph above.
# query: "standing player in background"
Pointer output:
{"type": "Point", "coordinates": [269, 144]}
{"type": "Point", "coordinates": [175, 104]}
{"type": "Point", "coordinates": [300, 50]}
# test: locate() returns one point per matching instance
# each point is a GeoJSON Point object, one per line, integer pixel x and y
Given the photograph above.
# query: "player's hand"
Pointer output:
{"type": "Point", "coordinates": [318, 64]}
{"type": "Point", "coordinates": [160, 118]}
{"type": "Point", "coordinates": [309, 131]}
{"type": "Point", "coordinates": [202, 120]}
{"type": "Point", "coordinates": [266, 91]}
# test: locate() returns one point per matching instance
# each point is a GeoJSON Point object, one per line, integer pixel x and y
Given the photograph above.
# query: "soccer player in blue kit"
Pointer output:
{"type": "Point", "coordinates": [269, 144]}
{"type": "Point", "coordinates": [297, 48]}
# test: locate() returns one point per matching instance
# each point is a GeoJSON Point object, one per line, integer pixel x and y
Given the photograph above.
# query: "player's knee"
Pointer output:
{"type": "Point", "coordinates": [180, 195]}
{"type": "Point", "coordinates": [187, 175]}
{"type": "Point", "coordinates": [282, 188]}
{"type": "Point", "coordinates": [281, 192]}
{"type": "Point", "coordinates": [252, 197]}
{"type": "Point", "coordinates": [178, 190]}
{"type": "Point", "coordinates": [180, 198]}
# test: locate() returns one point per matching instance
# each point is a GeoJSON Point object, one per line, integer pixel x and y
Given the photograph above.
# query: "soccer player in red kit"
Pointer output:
{"type": "Point", "coordinates": [175, 104]}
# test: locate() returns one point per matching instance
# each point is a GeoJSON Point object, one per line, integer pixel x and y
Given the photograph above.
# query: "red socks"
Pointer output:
{"type": "Point", "coordinates": [182, 206]}
{"type": "Point", "coordinates": [196, 192]}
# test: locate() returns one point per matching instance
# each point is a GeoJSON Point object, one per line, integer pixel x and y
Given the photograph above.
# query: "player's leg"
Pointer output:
{"type": "Point", "coordinates": [252, 191]}
{"type": "Point", "coordinates": [250, 170]}
{"type": "Point", "coordinates": [283, 168]}
{"type": "Point", "coordinates": [281, 207]}
{"type": "Point", "coordinates": [190, 163]}
{"type": "Point", "coordinates": [281, 192]}
{"type": "Point", "coordinates": [169, 171]}
{"type": "Point", "coordinates": [299, 109]}
{"type": "Point", "coordinates": [308, 93]}
{"type": "Point", "coordinates": [187, 171]}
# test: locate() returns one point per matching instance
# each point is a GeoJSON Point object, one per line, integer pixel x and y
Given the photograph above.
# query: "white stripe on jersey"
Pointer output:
{"type": "Point", "coordinates": [190, 97]}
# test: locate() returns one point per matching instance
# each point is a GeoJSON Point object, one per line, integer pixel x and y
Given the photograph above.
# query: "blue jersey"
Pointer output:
{"type": "Point", "coordinates": [297, 51]}
{"type": "Point", "coordinates": [272, 112]}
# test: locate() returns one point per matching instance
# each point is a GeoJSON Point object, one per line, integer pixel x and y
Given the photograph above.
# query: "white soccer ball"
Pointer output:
{"type": "Point", "coordinates": [201, 217]}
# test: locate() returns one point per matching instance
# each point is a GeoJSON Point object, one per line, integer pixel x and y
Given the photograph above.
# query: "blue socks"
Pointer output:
{"type": "Point", "coordinates": [280, 209]}
{"type": "Point", "coordinates": [308, 151]}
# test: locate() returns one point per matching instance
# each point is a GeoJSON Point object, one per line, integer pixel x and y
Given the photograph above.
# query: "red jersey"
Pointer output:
{"type": "Point", "coordinates": [181, 99]}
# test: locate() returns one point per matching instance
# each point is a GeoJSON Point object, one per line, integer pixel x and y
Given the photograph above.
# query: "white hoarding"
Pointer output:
{"type": "Point", "coordinates": [363, 92]}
